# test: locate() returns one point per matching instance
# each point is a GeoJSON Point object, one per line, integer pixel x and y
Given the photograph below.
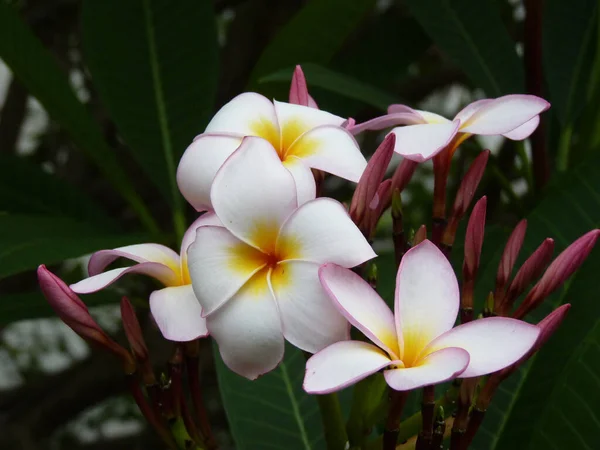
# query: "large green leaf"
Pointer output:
{"type": "Point", "coordinates": [272, 412]}
{"type": "Point", "coordinates": [27, 189]}
{"type": "Point", "coordinates": [28, 240]}
{"type": "Point", "coordinates": [37, 70]}
{"type": "Point", "coordinates": [314, 35]}
{"type": "Point", "coordinates": [568, 43]}
{"type": "Point", "coordinates": [571, 208]}
{"type": "Point", "coordinates": [336, 82]}
{"type": "Point", "coordinates": [472, 34]}
{"type": "Point", "coordinates": [154, 64]}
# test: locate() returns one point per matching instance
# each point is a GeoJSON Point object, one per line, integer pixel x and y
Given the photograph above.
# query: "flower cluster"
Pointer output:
{"type": "Point", "coordinates": [269, 260]}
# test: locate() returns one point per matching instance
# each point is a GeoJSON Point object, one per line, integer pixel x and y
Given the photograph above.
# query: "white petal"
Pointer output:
{"type": "Point", "coordinates": [310, 320]}
{"type": "Point", "coordinates": [436, 368]}
{"type": "Point", "coordinates": [208, 218]}
{"type": "Point", "coordinates": [524, 131]}
{"type": "Point", "coordinates": [361, 305]}
{"type": "Point", "coordinates": [427, 298]}
{"type": "Point", "coordinates": [155, 270]}
{"type": "Point", "coordinates": [504, 114]}
{"type": "Point", "coordinates": [493, 343]}
{"type": "Point", "coordinates": [465, 114]}
{"type": "Point", "coordinates": [178, 313]}
{"type": "Point", "coordinates": [304, 179]}
{"type": "Point", "coordinates": [253, 193]}
{"type": "Point", "coordinates": [248, 330]}
{"type": "Point", "coordinates": [295, 120]}
{"type": "Point", "coordinates": [341, 365]}
{"type": "Point", "coordinates": [422, 142]}
{"type": "Point", "coordinates": [139, 253]}
{"type": "Point", "coordinates": [199, 165]}
{"type": "Point", "coordinates": [331, 149]}
{"type": "Point", "coordinates": [432, 117]}
{"type": "Point", "coordinates": [321, 231]}
{"type": "Point", "coordinates": [219, 265]}
{"type": "Point", "coordinates": [248, 114]}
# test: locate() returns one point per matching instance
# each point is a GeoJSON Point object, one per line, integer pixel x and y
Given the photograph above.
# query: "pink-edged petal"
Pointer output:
{"type": "Point", "coordinates": [432, 117]}
{"type": "Point", "coordinates": [524, 131]}
{"type": "Point", "coordinates": [493, 343]}
{"type": "Point", "coordinates": [248, 114]}
{"type": "Point", "coordinates": [361, 305]}
{"type": "Point", "coordinates": [208, 218]}
{"type": "Point", "coordinates": [139, 253]}
{"type": "Point", "coordinates": [465, 114]}
{"type": "Point", "coordinates": [310, 320]}
{"type": "Point", "coordinates": [155, 270]}
{"type": "Point", "coordinates": [306, 187]}
{"type": "Point", "coordinates": [504, 114]}
{"type": "Point", "coordinates": [199, 165]}
{"type": "Point", "coordinates": [422, 142]}
{"type": "Point", "coordinates": [219, 265]}
{"type": "Point", "coordinates": [331, 149]}
{"type": "Point", "coordinates": [427, 298]}
{"type": "Point", "coordinates": [435, 368]}
{"type": "Point", "coordinates": [295, 120]}
{"type": "Point", "coordinates": [253, 193]}
{"type": "Point", "coordinates": [398, 109]}
{"type": "Point", "coordinates": [321, 231]}
{"type": "Point", "coordinates": [178, 313]}
{"type": "Point", "coordinates": [387, 121]}
{"type": "Point", "coordinates": [248, 329]}
{"type": "Point", "coordinates": [341, 365]}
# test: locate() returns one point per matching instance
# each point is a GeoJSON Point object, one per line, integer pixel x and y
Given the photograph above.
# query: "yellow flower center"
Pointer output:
{"type": "Point", "coordinates": [285, 138]}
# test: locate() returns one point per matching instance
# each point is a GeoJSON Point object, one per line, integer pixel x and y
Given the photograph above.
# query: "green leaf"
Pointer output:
{"type": "Point", "coordinates": [571, 208]}
{"type": "Point", "coordinates": [154, 64]}
{"type": "Point", "coordinates": [336, 82]}
{"type": "Point", "coordinates": [272, 412]}
{"type": "Point", "coordinates": [33, 305]}
{"type": "Point", "coordinates": [314, 34]}
{"type": "Point", "coordinates": [472, 34]}
{"type": "Point", "coordinates": [27, 189]}
{"type": "Point", "coordinates": [568, 32]}
{"type": "Point", "coordinates": [28, 240]}
{"type": "Point", "coordinates": [37, 70]}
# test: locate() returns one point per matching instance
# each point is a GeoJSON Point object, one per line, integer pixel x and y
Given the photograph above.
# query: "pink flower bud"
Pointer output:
{"type": "Point", "coordinates": [371, 178]}
{"type": "Point", "coordinates": [420, 235]}
{"type": "Point", "coordinates": [376, 206]}
{"type": "Point", "coordinates": [557, 273]}
{"type": "Point", "coordinates": [133, 331]}
{"type": "Point", "coordinates": [474, 239]}
{"type": "Point", "coordinates": [531, 269]}
{"type": "Point", "coordinates": [510, 254]}
{"type": "Point", "coordinates": [298, 89]}
{"type": "Point", "coordinates": [469, 185]}
{"type": "Point", "coordinates": [72, 311]}
{"type": "Point", "coordinates": [400, 179]}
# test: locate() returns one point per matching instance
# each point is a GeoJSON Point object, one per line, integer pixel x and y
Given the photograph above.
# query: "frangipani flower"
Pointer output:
{"type": "Point", "coordinates": [417, 347]}
{"type": "Point", "coordinates": [425, 134]}
{"type": "Point", "coordinates": [302, 138]}
{"type": "Point", "coordinates": [257, 278]}
{"type": "Point", "coordinates": [174, 308]}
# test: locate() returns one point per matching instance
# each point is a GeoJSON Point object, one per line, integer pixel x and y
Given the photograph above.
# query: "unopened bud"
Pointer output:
{"type": "Point", "coordinates": [298, 89]}
{"type": "Point", "coordinates": [509, 258]}
{"type": "Point", "coordinates": [474, 239]}
{"type": "Point", "coordinates": [559, 271]}
{"type": "Point", "coordinates": [420, 235]}
{"type": "Point", "coordinates": [371, 178]}
{"type": "Point", "coordinates": [72, 311]}
{"type": "Point", "coordinates": [469, 184]}
{"type": "Point", "coordinates": [133, 331]}
{"type": "Point", "coordinates": [376, 207]}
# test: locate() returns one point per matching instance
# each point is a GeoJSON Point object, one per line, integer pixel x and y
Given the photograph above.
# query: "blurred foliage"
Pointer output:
{"type": "Point", "coordinates": [127, 85]}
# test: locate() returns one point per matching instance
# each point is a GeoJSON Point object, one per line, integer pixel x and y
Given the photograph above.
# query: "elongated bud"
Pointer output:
{"type": "Point", "coordinates": [376, 207]}
{"type": "Point", "coordinates": [72, 311]}
{"type": "Point", "coordinates": [473, 245]}
{"type": "Point", "coordinates": [531, 269]}
{"type": "Point", "coordinates": [465, 194]}
{"type": "Point", "coordinates": [398, 227]}
{"type": "Point", "coordinates": [559, 271]}
{"type": "Point", "coordinates": [133, 331]}
{"type": "Point", "coordinates": [508, 260]}
{"type": "Point", "coordinates": [401, 178]}
{"type": "Point", "coordinates": [420, 235]}
{"type": "Point", "coordinates": [298, 88]}
{"type": "Point", "coordinates": [371, 178]}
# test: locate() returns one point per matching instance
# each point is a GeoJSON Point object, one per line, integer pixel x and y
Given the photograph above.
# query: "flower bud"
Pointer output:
{"type": "Point", "coordinates": [72, 311]}
{"type": "Point", "coordinates": [420, 235]}
{"type": "Point", "coordinates": [559, 271]}
{"type": "Point", "coordinates": [509, 257]}
{"type": "Point", "coordinates": [469, 184]}
{"type": "Point", "coordinates": [474, 238]}
{"type": "Point", "coordinates": [400, 179]}
{"type": "Point", "coordinates": [371, 178]}
{"type": "Point", "coordinates": [298, 88]}
{"type": "Point", "coordinates": [133, 331]}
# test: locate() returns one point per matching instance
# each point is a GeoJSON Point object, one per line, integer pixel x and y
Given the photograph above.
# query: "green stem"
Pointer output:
{"type": "Point", "coordinates": [333, 422]}
{"type": "Point", "coordinates": [182, 437]}
{"type": "Point", "coordinates": [564, 146]}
